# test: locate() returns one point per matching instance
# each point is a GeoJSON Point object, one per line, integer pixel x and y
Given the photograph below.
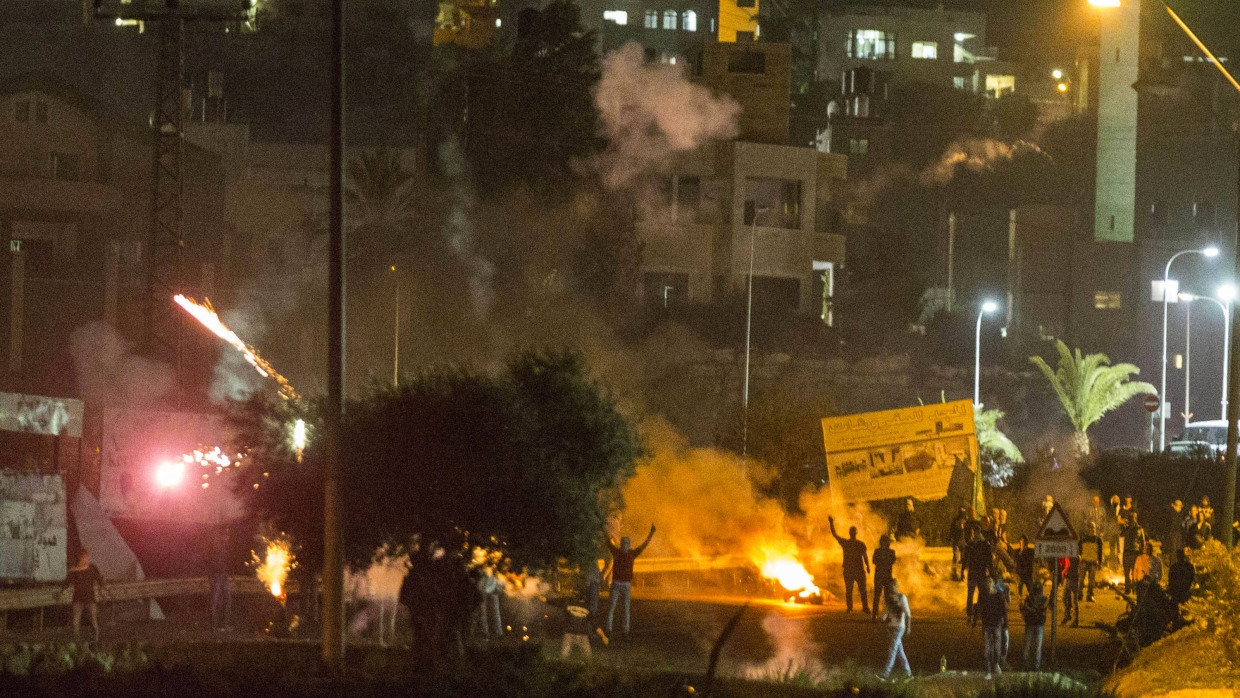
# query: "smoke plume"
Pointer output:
{"type": "Point", "coordinates": [108, 372]}
{"type": "Point", "coordinates": [975, 155]}
{"type": "Point", "coordinates": [650, 111]}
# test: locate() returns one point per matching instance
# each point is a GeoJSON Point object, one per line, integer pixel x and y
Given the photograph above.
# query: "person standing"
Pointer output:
{"type": "Point", "coordinates": [491, 586]}
{"type": "Point", "coordinates": [994, 614]}
{"type": "Point", "coordinates": [1033, 611]}
{"type": "Point", "coordinates": [1180, 578]}
{"type": "Point", "coordinates": [884, 560]}
{"type": "Point", "coordinates": [907, 524]}
{"type": "Point", "coordinates": [1096, 514]}
{"type": "Point", "coordinates": [956, 537]}
{"type": "Point", "coordinates": [85, 578]}
{"type": "Point", "coordinates": [1023, 553]}
{"type": "Point", "coordinates": [221, 592]}
{"type": "Point", "coordinates": [1091, 560]}
{"type": "Point", "coordinates": [1134, 542]}
{"type": "Point", "coordinates": [1070, 578]}
{"type": "Point", "coordinates": [623, 557]}
{"type": "Point", "coordinates": [1174, 535]}
{"type": "Point", "coordinates": [978, 559]}
{"type": "Point", "coordinates": [576, 630]}
{"type": "Point", "coordinates": [1146, 571]}
{"type": "Point", "coordinates": [1207, 511]}
{"type": "Point", "coordinates": [856, 566]}
{"type": "Point", "coordinates": [899, 620]}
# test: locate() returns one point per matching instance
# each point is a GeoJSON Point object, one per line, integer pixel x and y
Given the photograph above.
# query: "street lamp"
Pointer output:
{"type": "Point", "coordinates": [753, 232]}
{"type": "Point", "coordinates": [987, 307]}
{"type": "Point", "coordinates": [1222, 298]}
{"type": "Point", "coordinates": [1209, 252]}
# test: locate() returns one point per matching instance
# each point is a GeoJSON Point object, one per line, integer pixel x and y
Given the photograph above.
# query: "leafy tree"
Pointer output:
{"type": "Point", "coordinates": [991, 438]}
{"type": "Point", "coordinates": [1088, 387]}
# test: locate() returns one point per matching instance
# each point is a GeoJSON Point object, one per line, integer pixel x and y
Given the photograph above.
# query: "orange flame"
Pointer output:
{"type": "Point", "coordinates": [273, 569]}
{"type": "Point", "coordinates": [205, 314]}
{"type": "Point", "coordinates": [783, 567]}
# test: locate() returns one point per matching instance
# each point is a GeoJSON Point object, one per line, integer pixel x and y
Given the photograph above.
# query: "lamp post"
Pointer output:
{"type": "Point", "coordinates": [753, 232]}
{"type": "Point", "coordinates": [396, 331]}
{"type": "Point", "coordinates": [1162, 386]}
{"type": "Point", "coordinates": [1225, 295]}
{"type": "Point", "coordinates": [987, 307]}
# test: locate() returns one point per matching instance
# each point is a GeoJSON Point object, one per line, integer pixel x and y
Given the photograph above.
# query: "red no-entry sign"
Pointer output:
{"type": "Point", "coordinates": [1151, 403]}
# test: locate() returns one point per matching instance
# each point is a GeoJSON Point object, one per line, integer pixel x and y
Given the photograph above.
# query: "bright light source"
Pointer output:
{"type": "Point", "coordinates": [169, 474]}
{"type": "Point", "coordinates": [1187, 297]}
{"type": "Point", "coordinates": [1227, 292]}
{"type": "Point", "coordinates": [1057, 74]}
{"type": "Point", "coordinates": [1104, 3]}
{"type": "Point", "coordinates": [499, 22]}
{"type": "Point", "coordinates": [1062, 87]}
{"type": "Point", "coordinates": [1210, 251]}
{"type": "Point", "coordinates": [299, 435]}
{"type": "Point", "coordinates": [989, 307]}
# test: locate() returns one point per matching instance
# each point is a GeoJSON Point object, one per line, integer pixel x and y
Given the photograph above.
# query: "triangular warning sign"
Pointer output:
{"type": "Point", "coordinates": [1056, 526]}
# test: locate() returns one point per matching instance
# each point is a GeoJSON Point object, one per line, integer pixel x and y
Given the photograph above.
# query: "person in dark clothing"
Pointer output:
{"type": "Point", "coordinates": [907, 524]}
{"type": "Point", "coordinates": [84, 578]}
{"type": "Point", "coordinates": [221, 593]}
{"type": "Point", "coordinates": [1174, 536]}
{"type": "Point", "coordinates": [993, 609]}
{"type": "Point", "coordinates": [856, 566]}
{"type": "Point", "coordinates": [1070, 578]}
{"type": "Point", "coordinates": [623, 557]}
{"type": "Point", "coordinates": [1033, 611]}
{"type": "Point", "coordinates": [1091, 560]}
{"type": "Point", "coordinates": [1180, 578]}
{"type": "Point", "coordinates": [884, 560]}
{"type": "Point", "coordinates": [978, 558]}
{"type": "Point", "coordinates": [956, 537]}
{"type": "Point", "coordinates": [1134, 544]}
{"type": "Point", "coordinates": [1022, 554]}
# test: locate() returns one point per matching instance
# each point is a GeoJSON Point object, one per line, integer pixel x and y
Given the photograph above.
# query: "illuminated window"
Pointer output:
{"type": "Point", "coordinates": [651, 19]}
{"type": "Point", "coordinates": [669, 19]}
{"type": "Point", "coordinates": [616, 17]}
{"type": "Point", "coordinates": [872, 44]}
{"type": "Point", "coordinates": [928, 50]}
{"type": "Point", "coordinates": [21, 111]}
{"type": "Point", "coordinates": [958, 82]}
{"type": "Point", "coordinates": [999, 85]}
{"type": "Point", "coordinates": [858, 146]}
{"type": "Point", "coordinates": [1107, 300]}
{"type": "Point", "coordinates": [960, 54]}
{"type": "Point", "coordinates": [688, 21]}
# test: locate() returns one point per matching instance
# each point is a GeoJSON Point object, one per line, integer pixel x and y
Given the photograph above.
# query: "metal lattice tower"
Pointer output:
{"type": "Point", "coordinates": [166, 241]}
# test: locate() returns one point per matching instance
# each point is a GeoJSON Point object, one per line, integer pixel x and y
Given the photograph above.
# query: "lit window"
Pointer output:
{"type": "Point", "coordinates": [616, 17]}
{"type": "Point", "coordinates": [688, 21]}
{"type": "Point", "coordinates": [872, 44]}
{"type": "Point", "coordinates": [669, 19]}
{"type": "Point", "coordinates": [960, 54]}
{"type": "Point", "coordinates": [858, 146]}
{"type": "Point", "coordinates": [958, 82]}
{"type": "Point", "coordinates": [21, 111]}
{"type": "Point", "coordinates": [999, 85]}
{"type": "Point", "coordinates": [1107, 300]}
{"type": "Point", "coordinates": [651, 19]}
{"type": "Point", "coordinates": [928, 50]}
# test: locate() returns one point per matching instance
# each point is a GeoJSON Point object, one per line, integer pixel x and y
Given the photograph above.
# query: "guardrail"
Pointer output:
{"type": "Point", "coordinates": [51, 595]}
{"type": "Point", "coordinates": [725, 562]}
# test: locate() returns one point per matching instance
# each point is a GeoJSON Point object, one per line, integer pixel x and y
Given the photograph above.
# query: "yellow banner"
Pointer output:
{"type": "Point", "coordinates": [909, 452]}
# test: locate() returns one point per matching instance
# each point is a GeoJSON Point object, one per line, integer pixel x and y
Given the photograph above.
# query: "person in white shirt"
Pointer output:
{"type": "Point", "coordinates": [899, 621]}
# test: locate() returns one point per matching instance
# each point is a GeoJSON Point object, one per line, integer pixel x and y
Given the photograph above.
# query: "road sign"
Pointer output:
{"type": "Point", "coordinates": [1151, 403]}
{"type": "Point", "coordinates": [1056, 537]}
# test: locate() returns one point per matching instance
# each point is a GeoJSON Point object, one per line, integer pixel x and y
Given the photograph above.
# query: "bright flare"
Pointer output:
{"type": "Point", "coordinates": [169, 474]}
{"type": "Point", "coordinates": [299, 437]}
{"type": "Point", "coordinates": [205, 314]}
{"type": "Point", "coordinates": [272, 570]}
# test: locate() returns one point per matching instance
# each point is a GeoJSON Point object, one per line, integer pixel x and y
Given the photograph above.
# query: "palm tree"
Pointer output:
{"type": "Point", "coordinates": [1089, 387]}
{"type": "Point", "coordinates": [990, 437]}
{"type": "Point", "coordinates": [379, 191]}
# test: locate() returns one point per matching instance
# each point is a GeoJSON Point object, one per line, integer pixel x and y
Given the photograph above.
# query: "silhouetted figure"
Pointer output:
{"type": "Point", "coordinates": [908, 525]}
{"type": "Point", "coordinates": [978, 559]}
{"type": "Point", "coordinates": [856, 566]}
{"type": "Point", "coordinates": [1033, 611]}
{"type": "Point", "coordinates": [994, 614]}
{"type": "Point", "coordinates": [84, 577]}
{"type": "Point", "coordinates": [1134, 542]}
{"type": "Point", "coordinates": [884, 560]}
{"type": "Point", "coordinates": [1180, 578]}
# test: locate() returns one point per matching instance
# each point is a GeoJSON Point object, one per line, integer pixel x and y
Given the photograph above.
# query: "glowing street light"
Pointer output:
{"type": "Point", "coordinates": [987, 307]}
{"type": "Point", "coordinates": [1062, 87]}
{"type": "Point", "coordinates": [1209, 253]}
{"type": "Point", "coordinates": [1057, 74]}
{"type": "Point", "coordinates": [1104, 3]}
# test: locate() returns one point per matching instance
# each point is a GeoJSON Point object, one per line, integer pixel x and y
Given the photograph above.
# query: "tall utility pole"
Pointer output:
{"type": "Point", "coordinates": [166, 241]}
{"type": "Point", "coordinates": [333, 552]}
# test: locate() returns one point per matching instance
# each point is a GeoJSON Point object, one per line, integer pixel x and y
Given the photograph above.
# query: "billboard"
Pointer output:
{"type": "Point", "coordinates": [33, 528]}
{"type": "Point", "coordinates": [134, 445]}
{"type": "Point", "coordinates": [909, 452]}
{"type": "Point", "coordinates": [35, 414]}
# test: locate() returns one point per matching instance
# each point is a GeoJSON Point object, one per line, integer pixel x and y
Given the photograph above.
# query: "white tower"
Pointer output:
{"type": "Point", "coordinates": [1118, 63]}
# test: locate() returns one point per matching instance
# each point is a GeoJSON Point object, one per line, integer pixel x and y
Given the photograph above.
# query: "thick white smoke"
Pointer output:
{"type": "Point", "coordinates": [650, 111]}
